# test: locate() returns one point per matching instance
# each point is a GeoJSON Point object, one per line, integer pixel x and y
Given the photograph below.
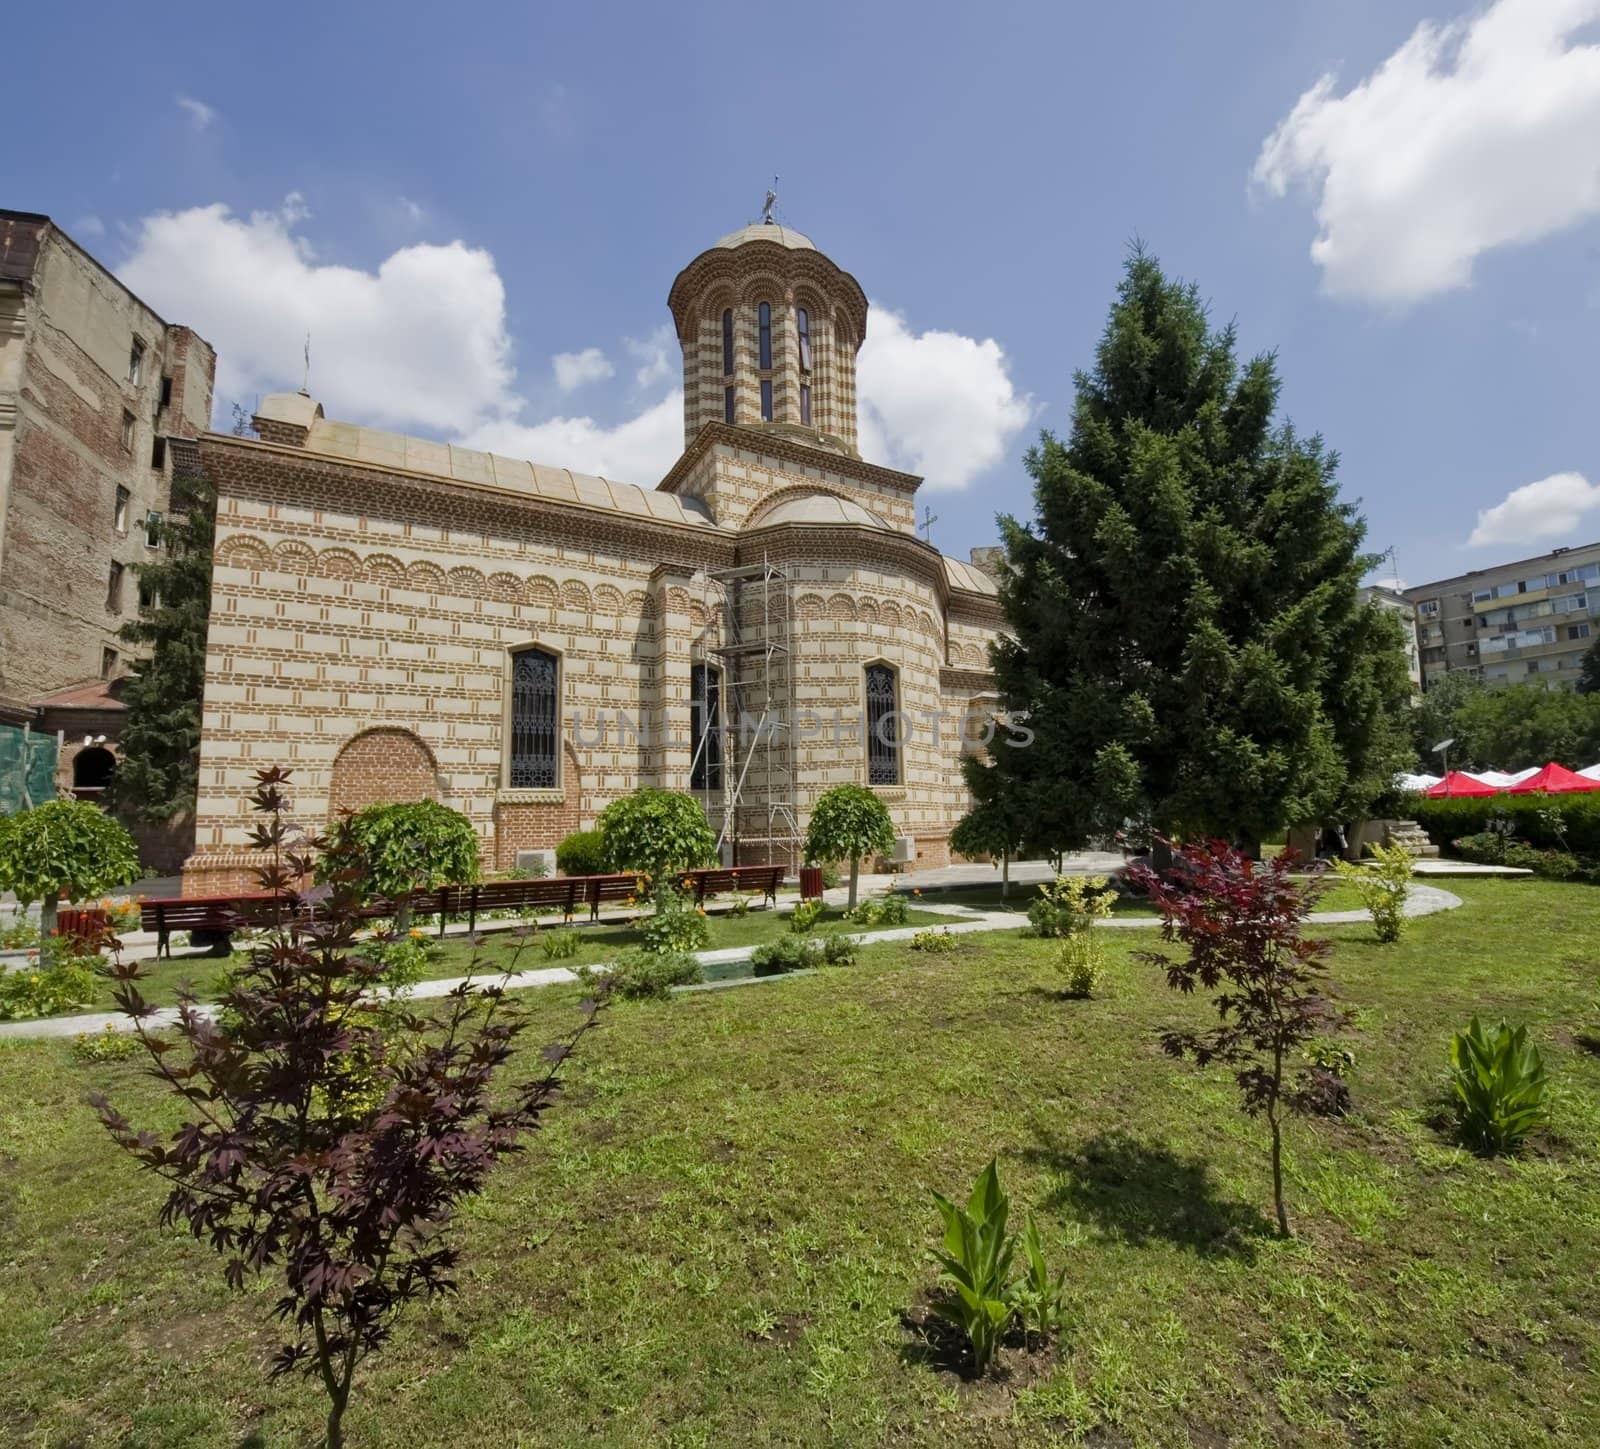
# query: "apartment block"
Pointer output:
{"type": "Point", "coordinates": [1527, 622]}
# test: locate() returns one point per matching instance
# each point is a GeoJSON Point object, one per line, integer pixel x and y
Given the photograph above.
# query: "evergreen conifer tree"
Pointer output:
{"type": "Point", "coordinates": [1189, 642]}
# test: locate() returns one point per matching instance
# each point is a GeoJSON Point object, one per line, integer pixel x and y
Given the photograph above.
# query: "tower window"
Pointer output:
{"type": "Point", "coordinates": [766, 399]}
{"type": "Point", "coordinates": [727, 404]}
{"type": "Point", "coordinates": [802, 324]}
{"type": "Point", "coordinates": [883, 727]}
{"type": "Point", "coordinates": [705, 726]}
{"type": "Point", "coordinates": [765, 315]}
{"type": "Point", "coordinates": [727, 342]}
{"type": "Point", "coordinates": [533, 720]}
{"type": "Point", "coordinates": [805, 404]}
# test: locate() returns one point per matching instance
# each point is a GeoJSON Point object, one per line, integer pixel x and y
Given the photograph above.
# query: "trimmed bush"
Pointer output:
{"type": "Point", "coordinates": [1550, 822]}
{"type": "Point", "coordinates": [581, 853]}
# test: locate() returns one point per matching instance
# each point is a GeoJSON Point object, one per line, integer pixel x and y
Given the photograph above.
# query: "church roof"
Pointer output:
{"type": "Point", "coordinates": [381, 449]}
{"type": "Point", "coordinates": [964, 576]}
{"type": "Point", "coordinates": [820, 508]}
{"type": "Point", "coordinates": [769, 231]}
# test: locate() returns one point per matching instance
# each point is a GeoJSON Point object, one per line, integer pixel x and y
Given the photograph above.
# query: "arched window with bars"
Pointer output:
{"type": "Point", "coordinates": [534, 720]}
{"type": "Point", "coordinates": [883, 726]}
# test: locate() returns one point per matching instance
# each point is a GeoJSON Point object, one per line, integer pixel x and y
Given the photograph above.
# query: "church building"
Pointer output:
{"type": "Point", "coordinates": [395, 618]}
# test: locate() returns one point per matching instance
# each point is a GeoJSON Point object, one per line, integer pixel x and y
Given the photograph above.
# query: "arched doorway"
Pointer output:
{"type": "Point", "coordinates": [92, 769]}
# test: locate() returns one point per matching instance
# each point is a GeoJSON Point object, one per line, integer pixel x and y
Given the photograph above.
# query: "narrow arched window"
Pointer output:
{"type": "Point", "coordinates": [705, 727]}
{"type": "Point", "coordinates": [764, 313]}
{"type": "Point", "coordinates": [766, 399]}
{"type": "Point", "coordinates": [805, 405]}
{"type": "Point", "coordinates": [727, 342]}
{"type": "Point", "coordinates": [802, 324]}
{"type": "Point", "coordinates": [534, 727]}
{"type": "Point", "coordinates": [727, 404]}
{"type": "Point", "coordinates": [883, 727]}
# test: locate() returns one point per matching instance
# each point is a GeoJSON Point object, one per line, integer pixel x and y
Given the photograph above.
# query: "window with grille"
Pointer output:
{"type": "Point", "coordinates": [802, 324]}
{"type": "Point", "coordinates": [534, 720]}
{"type": "Point", "coordinates": [883, 727]}
{"type": "Point", "coordinates": [764, 315]}
{"type": "Point", "coordinates": [705, 727]}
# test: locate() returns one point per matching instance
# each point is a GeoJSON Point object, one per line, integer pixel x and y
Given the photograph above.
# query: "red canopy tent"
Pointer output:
{"type": "Point", "coordinates": [1457, 782]}
{"type": "Point", "coordinates": [1554, 779]}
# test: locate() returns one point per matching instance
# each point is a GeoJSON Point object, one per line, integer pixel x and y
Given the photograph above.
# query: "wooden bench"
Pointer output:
{"type": "Point", "coordinates": [216, 916]}
{"type": "Point", "coordinates": [764, 879]}
{"type": "Point", "coordinates": [560, 892]}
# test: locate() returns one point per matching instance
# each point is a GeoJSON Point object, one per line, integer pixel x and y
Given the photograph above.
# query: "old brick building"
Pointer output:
{"type": "Point", "coordinates": [396, 618]}
{"type": "Point", "coordinates": [93, 388]}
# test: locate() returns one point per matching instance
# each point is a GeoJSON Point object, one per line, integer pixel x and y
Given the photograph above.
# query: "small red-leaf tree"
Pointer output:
{"type": "Point", "coordinates": [282, 1167]}
{"type": "Point", "coordinates": [1242, 923]}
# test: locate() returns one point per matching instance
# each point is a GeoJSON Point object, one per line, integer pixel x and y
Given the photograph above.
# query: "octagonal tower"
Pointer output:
{"type": "Point", "coordinates": [769, 328]}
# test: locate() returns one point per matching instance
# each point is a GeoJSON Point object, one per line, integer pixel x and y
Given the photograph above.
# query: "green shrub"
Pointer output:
{"type": "Point", "coordinates": [889, 910]}
{"type": "Point", "coordinates": [48, 987]}
{"type": "Point", "coordinates": [1491, 847]}
{"type": "Point", "coordinates": [405, 958]}
{"type": "Point", "coordinates": [107, 1045]}
{"type": "Point", "coordinates": [831, 879]}
{"type": "Point", "coordinates": [581, 853]}
{"type": "Point", "coordinates": [677, 925]}
{"type": "Point", "coordinates": [1070, 905]}
{"type": "Point", "coordinates": [787, 953]}
{"type": "Point", "coordinates": [1081, 961]}
{"type": "Point", "coordinates": [657, 833]}
{"type": "Point", "coordinates": [1500, 1086]}
{"type": "Point", "coordinates": [559, 945]}
{"type": "Point", "coordinates": [63, 848]}
{"type": "Point", "coordinates": [1549, 822]}
{"type": "Point", "coordinates": [976, 1255]}
{"type": "Point", "coordinates": [640, 975]}
{"type": "Point", "coordinates": [1383, 886]}
{"type": "Point", "coordinates": [838, 950]}
{"type": "Point", "coordinates": [804, 917]}
{"type": "Point", "coordinates": [389, 851]}
{"type": "Point", "coordinates": [19, 934]}
{"type": "Point", "coordinates": [937, 942]}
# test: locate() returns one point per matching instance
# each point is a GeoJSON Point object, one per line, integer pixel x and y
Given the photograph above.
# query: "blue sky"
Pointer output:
{"type": "Point", "coordinates": [450, 198]}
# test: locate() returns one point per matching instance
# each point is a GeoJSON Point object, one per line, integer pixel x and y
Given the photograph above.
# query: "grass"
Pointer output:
{"type": "Point", "coordinates": [1336, 896]}
{"type": "Point", "coordinates": [721, 1236]}
{"type": "Point", "coordinates": [506, 946]}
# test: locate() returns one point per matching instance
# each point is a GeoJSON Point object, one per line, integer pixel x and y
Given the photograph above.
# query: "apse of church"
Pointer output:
{"type": "Point", "coordinates": [397, 618]}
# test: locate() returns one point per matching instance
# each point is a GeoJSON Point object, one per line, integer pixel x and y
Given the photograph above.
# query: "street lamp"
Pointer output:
{"type": "Point", "coordinates": [1442, 749]}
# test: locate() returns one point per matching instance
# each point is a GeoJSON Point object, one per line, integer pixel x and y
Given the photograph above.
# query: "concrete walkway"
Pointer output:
{"type": "Point", "coordinates": [1422, 901]}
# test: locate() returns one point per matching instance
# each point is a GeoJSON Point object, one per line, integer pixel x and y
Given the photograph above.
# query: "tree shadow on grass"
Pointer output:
{"type": "Point", "coordinates": [1140, 1192]}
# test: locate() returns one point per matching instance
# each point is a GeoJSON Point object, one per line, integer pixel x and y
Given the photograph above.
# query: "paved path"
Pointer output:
{"type": "Point", "coordinates": [1422, 901]}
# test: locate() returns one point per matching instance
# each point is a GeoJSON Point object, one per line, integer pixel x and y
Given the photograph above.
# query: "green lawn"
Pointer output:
{"type": "Point", "coordinates": [1336, 896]}
{"type": "Point", "coordinates": [507, 947]}
{"type": "Point", "coordinates": [721, 1236]}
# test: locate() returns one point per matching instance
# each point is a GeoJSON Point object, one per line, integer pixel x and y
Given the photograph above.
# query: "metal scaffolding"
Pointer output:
{"type": "Point", "coordinates": [754, 784]}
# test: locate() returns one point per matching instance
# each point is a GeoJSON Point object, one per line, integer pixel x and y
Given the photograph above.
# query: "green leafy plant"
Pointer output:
{"type": "Point", "coordinates": [804, 917]}
{"type": "Point", "coordinates": [1383, 886]}
{"type": "Point", "coordinates": [640, 975]}
{"type": "Point", "coordinates": [787, 953]}
{"type": "Point", "coordinates": [936, 941]}
{"type": "Point", "coordinates": [677, 925]}
{"type": "Point", "coordinates": [559, 945]}
{"type": "Point", "coordinates": [976, 1256]}
{"type": "Point", "coordinates": [838, 950]}
{"type": "Point", "coordinates": [62, 848]}
{"type": "Point", "coordinates": [105, 1045]}
{"type": "Point", "coordinates": [581, 853]}
{"type": "Point", "coordinates": [19, 934]}
{"type": "Point", "coordinates": [1038, 1296]}
{"type": "Point", "coordinates": [739, 906]}
{"type": "Point", "coordinates": [848, 822]}
{"type": "Point", "coordinates": [59, 981]}
{"type": "Point", "coordinates": [1070, 905]}
{"type": "Point", "coordinates": [1501, 1091]}
{"type": "Point", "coordinates": [404, 958]}
{"type": "Point", "coordinates": [658, 833]}
{"type": "Point", "coordinates": [886, 910]}
{"type": "Point", "coordinates": [385, 852]}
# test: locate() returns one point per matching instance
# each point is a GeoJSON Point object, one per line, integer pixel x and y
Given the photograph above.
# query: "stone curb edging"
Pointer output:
{"type": "Point", "coordinates": [1421, 901]}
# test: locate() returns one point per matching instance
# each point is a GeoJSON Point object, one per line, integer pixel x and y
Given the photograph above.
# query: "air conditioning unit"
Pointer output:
{"type": "Point", "coordinates": [536, 862]}
{"type": "Point", "coordinates": [905, 850]}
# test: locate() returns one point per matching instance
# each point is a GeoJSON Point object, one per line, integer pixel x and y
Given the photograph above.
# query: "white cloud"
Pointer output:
{"type": "Point", "coordinates": [576, 369]}
{"type": "Point", "coordinates": [88, 226]}
{"type": "Point", "coordinates": [1550, 509]}
{"type": "Point", "coordinates": [200, 114]}
{"type": "Point", "coordinates": [639, 450]}
{"type": "Point", "coordinates": [421, 341]}
{"type": "Point", "coordinates": [935, 403]}
{"type": "Point", "coordinates": [656, 354]}
{"type": "Point", "coordinates": [1471, 136]}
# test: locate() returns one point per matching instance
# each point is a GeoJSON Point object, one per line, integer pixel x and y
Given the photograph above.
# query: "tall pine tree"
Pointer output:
{"type": "Point", "coordinates": [1189, 643]}
{"type": "Point", "coordinates": [159, 768]}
